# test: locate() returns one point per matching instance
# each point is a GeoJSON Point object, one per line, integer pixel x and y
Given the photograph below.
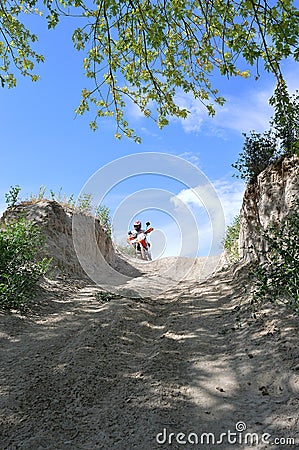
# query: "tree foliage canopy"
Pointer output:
{"type": "Point", "coordinates": [145, 51]}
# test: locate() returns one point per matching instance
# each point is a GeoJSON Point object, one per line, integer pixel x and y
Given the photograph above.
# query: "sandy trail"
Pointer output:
{"type": "Point", "coordinates": [84, 373]}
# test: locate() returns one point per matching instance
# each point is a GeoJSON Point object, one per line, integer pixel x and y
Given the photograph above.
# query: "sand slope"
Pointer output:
{"type": "Point", "coordinates": [84, 373]}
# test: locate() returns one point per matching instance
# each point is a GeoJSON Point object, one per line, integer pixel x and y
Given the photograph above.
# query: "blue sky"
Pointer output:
{"type": "Point", "coordinates": [43, 144]}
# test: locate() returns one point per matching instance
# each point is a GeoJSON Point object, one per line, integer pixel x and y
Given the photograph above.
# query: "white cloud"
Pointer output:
{"type": "Point", "coordinates": [184, 240]}
{"type": "Point", "coordinates": [245, 113]}
{"type": "Point", "coordinates": [134, 111]}
{"type": "Point", "coordinates": [210, 227]}
{"type": "Point", "coordinates": [207, 209]}
{"type": "Point", "coordinates": [170, 242]}
{"type": "Point", "coordinates": [249, 111]}
{"type": "Point", "coordinates": [197, 115]}
{"type": "Point", "coordinates": [189, 197]}
{"type": "Point", "coordinates": [230, 194]}
{"type": "Point", "coordinates": [191, 157]}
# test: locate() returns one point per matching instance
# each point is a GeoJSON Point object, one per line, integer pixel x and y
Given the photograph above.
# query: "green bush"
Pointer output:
{"type": "Point", "coordinates": [102, 213]}
{"type": "Point", "coordinates": [231, 240]}
{"type": "Point", "coordinates": [20, 267]}
{"type": "Point", "coordinates": [278, 278]}
{"type": "Point", "coordinates": [259, 151]}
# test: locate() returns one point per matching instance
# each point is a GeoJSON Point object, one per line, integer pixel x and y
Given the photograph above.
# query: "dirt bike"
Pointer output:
{"type": "Point", "coordinates": [141, 244]}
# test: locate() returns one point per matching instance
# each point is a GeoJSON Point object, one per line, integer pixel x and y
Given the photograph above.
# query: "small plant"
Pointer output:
{"type": "Point", "coordinates": [102, 213]}
{"type": "Point", "coordinates": [11, 197]}
{"type": "Point", "coordinates": [20, 268]}
{"type": "Point", "coordinates": [106, 296]}
{"type": "Point", "coordinates": [278, 278]}
{"type": "Point", "coordinates": [70, 201]}
{"type": "Point", "coordinates": [35, 198]}
{"type": "Point", "coordinates": [53, 195]}
{"type": "Point", "coordinates": [63, 199]}
{"type": "Point", "coordinates": [41, 192]}
{"type": "Point", "coordinates": [231, 240]}
{"type": "Point", "coordinates": [84, 203]}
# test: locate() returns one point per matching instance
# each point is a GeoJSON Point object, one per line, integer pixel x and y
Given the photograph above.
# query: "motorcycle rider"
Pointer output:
{"type": "Point", "coordinates": [137, 230]}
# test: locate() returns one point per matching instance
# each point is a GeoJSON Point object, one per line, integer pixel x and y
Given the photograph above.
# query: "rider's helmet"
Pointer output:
{"type": "Point", "coordinates": [137, 225]}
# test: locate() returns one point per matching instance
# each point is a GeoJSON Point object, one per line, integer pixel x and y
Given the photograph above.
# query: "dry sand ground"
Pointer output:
{"type": "Point", "coordinates": [79, 372]}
